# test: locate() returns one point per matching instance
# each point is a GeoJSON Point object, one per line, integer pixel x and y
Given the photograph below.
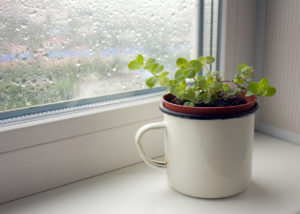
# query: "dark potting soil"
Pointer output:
{"type": "Point", "coordinates": [233, 101]}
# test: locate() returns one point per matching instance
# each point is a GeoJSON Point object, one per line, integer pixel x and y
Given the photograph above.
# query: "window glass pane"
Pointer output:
{"type": "Point", "coordinates": [58, 50]}
{"type": "Point", "coordinates": [210, 29]}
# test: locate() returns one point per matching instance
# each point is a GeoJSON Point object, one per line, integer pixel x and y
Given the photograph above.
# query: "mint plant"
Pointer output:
{"type": "Point", "coordinates": [208, 88]}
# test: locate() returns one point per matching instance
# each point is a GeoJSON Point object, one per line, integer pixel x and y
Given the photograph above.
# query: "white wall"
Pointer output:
{"type": "Point", "coordinates": [280, 115]}
{"type": "Point", "coordinates": [238, 35]}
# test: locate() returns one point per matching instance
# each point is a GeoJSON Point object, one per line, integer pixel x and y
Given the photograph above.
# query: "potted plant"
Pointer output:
{"type": "Point", "coordinates": [208, 123]}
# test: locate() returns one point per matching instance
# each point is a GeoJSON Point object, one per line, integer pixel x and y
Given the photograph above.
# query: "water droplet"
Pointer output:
{"type": "Point", "coordinates": [24, 26]}
{"type": "Point", "coordinates": [101, 24]}
{"type": "Point", "coordinates": [32, 83]}
{"type": "Point", "coordinates": [33, 13]}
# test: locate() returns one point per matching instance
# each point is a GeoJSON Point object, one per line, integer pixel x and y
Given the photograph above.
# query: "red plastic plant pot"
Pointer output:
{"type": "Point", "coordinates": [251, 100]}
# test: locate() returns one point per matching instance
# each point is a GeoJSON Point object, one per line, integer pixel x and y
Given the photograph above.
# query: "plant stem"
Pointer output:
{"type": "Point", "coordinates": [247, 81]}
{"type": "Point", "coordinates": [206, 68]}
{"type": "Point", "coordinates": [194, 83]}
{"type": "Point", "coordinates": [240, 86]}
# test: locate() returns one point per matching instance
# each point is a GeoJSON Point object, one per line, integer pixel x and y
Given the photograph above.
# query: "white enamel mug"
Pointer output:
{"type": "Point", "coordinates": [205, 156]}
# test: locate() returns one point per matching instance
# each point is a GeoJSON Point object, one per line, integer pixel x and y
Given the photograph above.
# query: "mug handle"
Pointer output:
{"type": "Point", "coordinates": [150, 162]}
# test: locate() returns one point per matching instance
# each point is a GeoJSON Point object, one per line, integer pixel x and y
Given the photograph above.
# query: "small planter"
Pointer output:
{"type": "Point", "coordinates": [208, 150]}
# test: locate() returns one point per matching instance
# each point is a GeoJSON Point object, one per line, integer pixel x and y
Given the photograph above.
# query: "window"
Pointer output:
{"type": "Point", "coordinates": [56, 54]}
{"type": "Point", "coordinates": [88, 138]}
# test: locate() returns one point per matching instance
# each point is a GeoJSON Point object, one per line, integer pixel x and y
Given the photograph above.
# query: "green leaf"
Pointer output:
{"type": "Point", "coordinates": [177, 91]}
{"type": "Point", "coordinates": [202, 60]}
{"type": "Point", "coordinates": [151, 81]}
{"type": "Point", "coordinates": [173, 83]}
{"type": "Point", "coordinates": [206, 60]}
{"type": "Point", "coordinates": [263, 83]}
{"type": "Point", "coordinates": [249, 72]}
{"type": "Point", "coordinates": [241, 67]}
{"type": "Point", "coordinates": [160, 68]}
{"type": "Point", "coordinates": [150, 62]}
{"type": "Point", "coordinates": [174, 87]}
{"type": "Point", "coordinates": [183, 84]}
{"type": "Point", "coordinates": [238, 79]}
{"type": "Point", "coordinates": [191, 104]}
{"type": "Point", "coordinates": [245, 70]}
{"type": "Point", "coordinates": [215, 73]}
{"type": "Point", "coordinates": [253, 87]}
{"type": "Point", "coordinates": [163, 79]}
{"type": "Point", "coordinates": [164, 82]}
{"type": "Point", "coordinates": [190, 73]}
{"type": "Point", "coordinates": [156, 68]}
{"type": "Point", "coordinates": [193, 68]}
{"type": "Point", "coordinates": [271, 91]}
{"type": "Point", "coordinates": [209, 59]}
{"type": "Point", "coordinates": [189, 95]}
{"type": "Point", "coordinates": [195, 65]}
{"type": "Point", "coordinates": [261, 88]}
{"type": "Point", "coordinates": [206, 98]}
{"type": "Point", "coordinates": [134, 65]}
{"type": "Point", "coordinates": [200, 77]}
{"type": "Point", "coordinates": [181, 62]}
{"type": "Point", "coordinates": [140, 59]}
{"type": "Point", "coordinates": [217, 86]}
{"type": "Point", "coordinates": [179, 75]}
{"type": "Point", "coordinates": [179, 94]}
{"type": "Point", "coordinates": [198, 96]}
{"type": "Point", "coordinates": [164, 74]}
{"type": "Point", "coordinates": [201, 83]}
{"type": "Point", "coordinates": [225, 87]}
{"type": "Point", "coordinates": [210, 80]}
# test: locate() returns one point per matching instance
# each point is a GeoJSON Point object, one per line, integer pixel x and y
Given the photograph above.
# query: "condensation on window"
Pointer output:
{"type": "Point", "coordinates": [58, 50]}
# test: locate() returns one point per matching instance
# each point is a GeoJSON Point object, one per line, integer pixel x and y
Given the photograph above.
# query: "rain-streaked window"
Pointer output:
{"type": "Point", "coordinates": [60, 50]}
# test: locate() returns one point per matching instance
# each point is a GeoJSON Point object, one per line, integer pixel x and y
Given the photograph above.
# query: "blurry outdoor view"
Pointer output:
{"type": "Point", "coordinates": [58, 50]}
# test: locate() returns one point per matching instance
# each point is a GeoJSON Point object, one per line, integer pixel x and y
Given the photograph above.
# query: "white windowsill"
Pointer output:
{"type": "Point", "coordinates": [275, 188]}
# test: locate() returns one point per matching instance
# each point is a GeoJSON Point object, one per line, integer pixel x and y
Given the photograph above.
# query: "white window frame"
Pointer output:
{"type": "Point", "coordinates": [43, 154]}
